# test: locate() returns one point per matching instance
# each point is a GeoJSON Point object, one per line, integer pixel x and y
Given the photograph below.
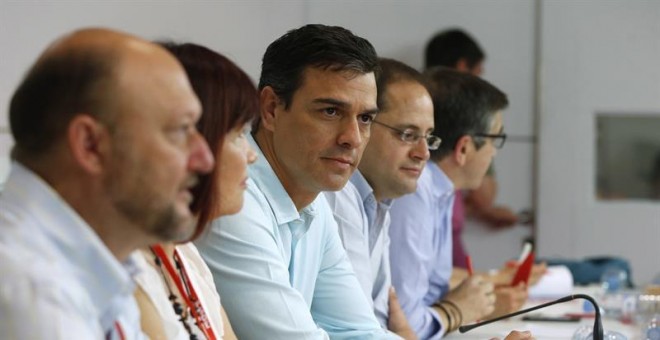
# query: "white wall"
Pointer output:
{"type": "Point", "coordinates": [240, 30]}
{"type": "Point", "coordinates": [597, 57]}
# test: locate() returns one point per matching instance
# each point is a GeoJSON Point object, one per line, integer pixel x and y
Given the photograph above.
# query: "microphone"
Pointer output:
{"type": "Point", "coordinates": [598, 325]}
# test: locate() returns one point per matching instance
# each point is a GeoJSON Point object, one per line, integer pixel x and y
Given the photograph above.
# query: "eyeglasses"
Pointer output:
{"type": "Point", "coordinates": [408, 136]}
{"type": "Point", "coordinates": [498, 139]}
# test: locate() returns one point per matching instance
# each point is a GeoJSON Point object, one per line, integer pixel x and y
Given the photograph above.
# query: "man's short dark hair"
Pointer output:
{"type": "Point", "coordinates": [55, 90]}
{"type": "Point", "coordinates": [326, 47]}
{"type": "Point", "coordinates": [392, 71]}
{"type": "Point", "coordinates": [463, 104]}
{"type": "Point", "coordinates": [448, 47]}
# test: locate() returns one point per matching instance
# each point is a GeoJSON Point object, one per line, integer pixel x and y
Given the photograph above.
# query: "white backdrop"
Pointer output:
{"type": "Point", "coordinates": [597, 57]}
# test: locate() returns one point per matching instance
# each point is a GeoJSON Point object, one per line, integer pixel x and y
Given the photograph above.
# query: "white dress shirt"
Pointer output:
{"type": "Point", "coordinates": [363, 227]}
{"type": "Point", "coordinates": [283, 273]}
{"type": "Point", "coordinates": [58, 280]}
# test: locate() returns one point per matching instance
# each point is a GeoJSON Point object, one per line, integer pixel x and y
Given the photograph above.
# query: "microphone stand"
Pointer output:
{"type": "Point", "coordinates": [598, 325]}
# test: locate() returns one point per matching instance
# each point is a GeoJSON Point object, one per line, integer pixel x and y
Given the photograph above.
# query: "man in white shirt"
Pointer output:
{"type": "Point", "coordinates": [393, 160]}
{"type": "Point", "coordinates": [105, 155]}
{"type": "Point", "coordinates": [278, 264]}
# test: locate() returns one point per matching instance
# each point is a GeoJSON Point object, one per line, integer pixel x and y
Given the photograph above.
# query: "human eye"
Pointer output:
{"type": "Point", "coordinates": [237, 135]}
{"type": "Point", "coordinates": [366, 118]}
{"type": "Point", "coordinates": [180, 132]}
{"type": "Point", "coordinates": [181, 135]}
{"type": "Point", "coordinates": [246, 130]}
{"type": "Point", "coordinates": [409, 136]}
{"type": "Point", "coordinates": [330, 111]}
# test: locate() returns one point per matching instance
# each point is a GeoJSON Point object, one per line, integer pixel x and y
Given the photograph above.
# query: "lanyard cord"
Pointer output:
{"type": "Point", "coordinates": [186, 290]}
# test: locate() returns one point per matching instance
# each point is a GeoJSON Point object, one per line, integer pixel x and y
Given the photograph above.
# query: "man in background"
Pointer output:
{"type": "Point", "coordinates": [105, 155]}
{"type": "Point", "coordinates": [456, 49]}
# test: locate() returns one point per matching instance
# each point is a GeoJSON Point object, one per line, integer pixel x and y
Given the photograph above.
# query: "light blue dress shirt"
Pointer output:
{"type": "Point", "coordinates": [421, 250]}
{"type": "Point", "coordinates": [363, 228]}
{"type": "Point", "coordinates": [281, 273]}
{"type": "Point", "coordinates": [58, 280]}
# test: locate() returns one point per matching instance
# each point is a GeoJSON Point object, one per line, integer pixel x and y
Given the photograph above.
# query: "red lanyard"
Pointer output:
{"type": "Point", "coordinates": [192, 300]}
{"type": "Point", "coordinates": [120, 332]}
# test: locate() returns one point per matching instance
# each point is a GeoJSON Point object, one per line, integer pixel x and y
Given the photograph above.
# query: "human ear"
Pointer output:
{"type": "Point", "coordinates": [462, 65]}
{"type": "Point", "coordinates": [86, 138]}
{"type": "Point", "coordinates": [269, 102]}
{"type": "Point", "coordinates": [463, 149]}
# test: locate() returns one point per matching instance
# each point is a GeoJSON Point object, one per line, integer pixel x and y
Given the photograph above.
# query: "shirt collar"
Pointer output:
{"type": "Point", "coordinates": [444, 185]}
{"type": "Point", "coordinates": [262, 173]}
{"type": "Point", "coordinates": [95, 266]}
{"type": "Point", "coordinates": [366, 191]}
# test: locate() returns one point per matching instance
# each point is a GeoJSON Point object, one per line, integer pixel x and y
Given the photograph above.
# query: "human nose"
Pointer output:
{"type": "Point", "coordinates": [421, 150]}
{"type": "Point", "coordinates": [200, 159]}
{"type": "Point", "coordinates": [351, 135]}
{"type": "Point", "coordinates": [250, 153]}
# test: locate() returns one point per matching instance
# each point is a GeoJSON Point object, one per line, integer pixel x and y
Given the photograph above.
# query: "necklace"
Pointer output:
{"type": "Point", "coordinates": [186, 290]}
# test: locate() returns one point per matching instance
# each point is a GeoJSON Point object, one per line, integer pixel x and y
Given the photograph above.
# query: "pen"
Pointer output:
{"type": "Point", "coordinates": [527, 248]}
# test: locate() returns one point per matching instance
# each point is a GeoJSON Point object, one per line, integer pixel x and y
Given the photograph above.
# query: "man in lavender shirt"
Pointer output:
{"type": "Point", "coordinates": [468, 118]}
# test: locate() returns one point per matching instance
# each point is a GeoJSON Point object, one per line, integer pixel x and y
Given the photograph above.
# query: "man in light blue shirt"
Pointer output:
{"type": "Point", "coordinates": [468, 119]}
{"type": "Point", "coordinates": [279, 265]}
{"type": "Point", "coordinates": [392, 162]}
{"type": "Point", "coordinates": [104, 158]}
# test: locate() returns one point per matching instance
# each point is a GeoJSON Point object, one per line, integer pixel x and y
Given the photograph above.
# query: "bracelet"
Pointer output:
{"type": "Point", "coordinates": [458, 310]}
{"type": "Point", "coordinates": [450, 326]}
{"type": "Point", "coordinates": [451, 309]}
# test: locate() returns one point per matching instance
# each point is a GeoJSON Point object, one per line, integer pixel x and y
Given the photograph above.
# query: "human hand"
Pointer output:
{"type": "Point", "coordinates": [504, 275]}
{"type": "Point", "coordinates": [516, 335]}
{"type": "Point", "coordinates": [474, 297]}
{"type": "Point", "coordinates": [508, 300]}
{"type": "Point", "coordinates": [396, 321]}
{"type": "Point", "coordinates": [538, 270]}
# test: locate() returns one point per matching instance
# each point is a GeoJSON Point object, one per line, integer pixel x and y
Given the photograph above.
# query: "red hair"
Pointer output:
{"type": "Point", "coordinates": [229, 100]}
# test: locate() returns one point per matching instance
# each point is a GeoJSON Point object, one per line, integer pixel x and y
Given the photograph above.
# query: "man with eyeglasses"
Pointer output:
{"type": "Point", "coordinates": [391, 164]}
{"type": "Point", "coordinates": [457, 49]}
{"type": "Point", "coordinates": [468, 118]}
{"type": "Point", "coordinates": [393, 160]}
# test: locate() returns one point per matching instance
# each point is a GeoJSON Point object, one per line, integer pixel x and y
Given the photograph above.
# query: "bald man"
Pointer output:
{"type": "Point", "coordinates": [105, 155]}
